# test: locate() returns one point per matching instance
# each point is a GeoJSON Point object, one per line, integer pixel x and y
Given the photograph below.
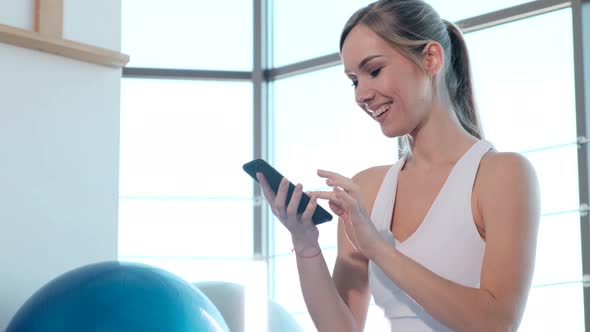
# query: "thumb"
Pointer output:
{"type": "Point", "coordinates": [345, 198]}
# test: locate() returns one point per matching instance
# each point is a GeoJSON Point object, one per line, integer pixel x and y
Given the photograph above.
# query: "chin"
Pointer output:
{"type": "Point", "coordinates": [390, 134]}
{"type": "Point", "coordinates": [393, 132]}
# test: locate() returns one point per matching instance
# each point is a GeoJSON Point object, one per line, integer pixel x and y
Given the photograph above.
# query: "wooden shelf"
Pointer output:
{"type": "Point", "coordinates": [59, 46]}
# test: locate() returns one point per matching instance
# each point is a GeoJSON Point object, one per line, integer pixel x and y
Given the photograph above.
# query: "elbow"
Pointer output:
{"type": "Point", "coordinates": [508, 319]}
{"type": "Point", "coordinates": [503, 327]}
{"type": "Point", "coordinates": [338, 325]}
{"type": "Point", "coordinates": [492, 323]}
{"type": "Point", "coordinates": [509, 324]}
{"type": "Point", "coordinates": [492, 326]}
{"type": "Point", "coordinates": [340, 329]}
{"type": "Point", "coordinates": [505, 323]}
{"type": "Point", "coordinates": [500, 318]}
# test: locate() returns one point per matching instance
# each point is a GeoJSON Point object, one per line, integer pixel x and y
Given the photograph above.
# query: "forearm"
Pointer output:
{"type": "Point", "coordinates": [459, 307]}
{"type": "Point", "coordinates": [327, 309]}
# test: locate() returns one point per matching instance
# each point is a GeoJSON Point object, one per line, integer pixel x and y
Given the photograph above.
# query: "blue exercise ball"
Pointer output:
{"type": "Point", "coordinates": [280, 319]}
{"type": "Point", "coordinates": [118, 296]}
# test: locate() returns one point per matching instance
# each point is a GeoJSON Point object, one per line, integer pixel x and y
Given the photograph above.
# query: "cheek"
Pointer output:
{"type": "Point", "coordinates": [413, 107]}
{"type": "Point", "coordinates": [411, 92]}
{"type": "Point", "coordinates": [420, 95]}
{"type": "Point", "coordinates": [404, 89]}
{"type": "Point", "coordinates": [396, 91]}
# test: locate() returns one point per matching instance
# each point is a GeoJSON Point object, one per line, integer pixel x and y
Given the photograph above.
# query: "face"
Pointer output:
{"type": "Point", "coordinates": [388, 86]}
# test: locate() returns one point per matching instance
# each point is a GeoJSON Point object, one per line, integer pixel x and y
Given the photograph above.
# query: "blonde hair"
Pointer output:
{"type": "Point", "coordinates": [408, 25]}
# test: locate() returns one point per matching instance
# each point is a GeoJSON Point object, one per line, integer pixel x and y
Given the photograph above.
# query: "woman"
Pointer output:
{"type": "Point", "coordinates": [445, 238]}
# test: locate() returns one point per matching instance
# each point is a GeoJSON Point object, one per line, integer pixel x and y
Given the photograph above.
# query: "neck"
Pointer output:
{"type": "Point", "coordinates": [440, 140]}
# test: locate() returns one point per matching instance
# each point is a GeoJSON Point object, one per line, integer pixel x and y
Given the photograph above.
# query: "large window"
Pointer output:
{"type": "Point", "coordinates": [185, 203]}
{"type": "Point", "coordinates": [455, 10]}
{"type": "Point", "coordinates": [187, 34]}
{"type": "Point", "coordinates": [182, 203]}
{"type": "Point", "coordinates": [527, 104]}
{"type": "Point", "coordinates": [306, 29]}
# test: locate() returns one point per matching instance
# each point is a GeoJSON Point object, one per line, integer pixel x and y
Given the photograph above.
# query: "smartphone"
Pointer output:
{"type": "Point", "coordinates": [273, 177]}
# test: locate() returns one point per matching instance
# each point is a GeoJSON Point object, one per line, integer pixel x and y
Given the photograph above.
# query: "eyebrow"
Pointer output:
{"type": "Point", "coordinates": [365, 61]}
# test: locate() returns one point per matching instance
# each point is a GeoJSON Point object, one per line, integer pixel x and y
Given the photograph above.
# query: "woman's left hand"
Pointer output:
{"type": "Point", "coordinates": [345, 201]}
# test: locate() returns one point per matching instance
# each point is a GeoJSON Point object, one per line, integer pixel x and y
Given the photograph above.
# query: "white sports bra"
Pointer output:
{"type": "Point", "coordinates": [446, 242]}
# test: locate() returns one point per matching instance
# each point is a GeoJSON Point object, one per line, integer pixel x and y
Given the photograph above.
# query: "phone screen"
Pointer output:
{"type": "Point", "coordinates": [273, 177]}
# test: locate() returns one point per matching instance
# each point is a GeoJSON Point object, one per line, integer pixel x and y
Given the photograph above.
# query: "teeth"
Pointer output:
{"type": "Point", "coordinates": [381, 110]}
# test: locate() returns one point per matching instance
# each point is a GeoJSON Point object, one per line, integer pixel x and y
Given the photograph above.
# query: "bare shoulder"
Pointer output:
{"type": "Point", "coordinates": [369, 181]}
{"type": "Point", "coordinates": [507, 184]}
{"type": "Point", "coordinates": [371, 175]}
{"type": "Point", "coordinates": [502, 168]}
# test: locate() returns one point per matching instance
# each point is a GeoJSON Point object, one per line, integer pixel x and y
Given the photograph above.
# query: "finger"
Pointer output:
{"type": "Point", "coordinates": [345, 199]}
{"type": "Point", "coordinates": [266, 191]}
{"type": "Point", "coordinates": [351, 205]}
{"type": "Point", "coordinates": [334, 179]}
{"type": "Point", "coordinates": [322, 194]}
{"type": "Point", "coordinates": [295, 199]}
{"type": "Point", "coordinates": [280, 200]}
{"type": "Point", "coordinates": [310, 209]}
{"type": "Point", "coordinates": [337, 205]}
{"type": "Point", "coordinates": [336, 208]}
{"type": "Point", "coordinates": [329, 175]}
{"type": "Point", "coordinates": [342, 203]}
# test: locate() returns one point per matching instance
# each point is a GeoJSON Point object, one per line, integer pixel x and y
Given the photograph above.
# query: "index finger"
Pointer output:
{"type": "Point", "coordinates": [266, 190]}
{"type": "Point", "coordinates": [338, 180]}
{"type": "Point", "coordinates": [322, 194]}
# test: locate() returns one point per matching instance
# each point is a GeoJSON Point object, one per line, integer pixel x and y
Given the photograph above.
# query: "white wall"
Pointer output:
{"type": "Point", "coordinates": [59, 148]}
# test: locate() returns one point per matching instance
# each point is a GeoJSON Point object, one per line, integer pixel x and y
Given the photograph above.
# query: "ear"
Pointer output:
{"type": "Point", "coordinates": [433, 58]}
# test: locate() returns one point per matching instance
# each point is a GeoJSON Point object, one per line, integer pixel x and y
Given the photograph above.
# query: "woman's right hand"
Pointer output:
{"type": "Point", "coordinates": [304, 232]}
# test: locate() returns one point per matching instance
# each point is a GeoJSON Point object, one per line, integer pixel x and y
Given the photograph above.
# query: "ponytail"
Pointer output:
{"type": "Point", "coordinates": [459, 82]}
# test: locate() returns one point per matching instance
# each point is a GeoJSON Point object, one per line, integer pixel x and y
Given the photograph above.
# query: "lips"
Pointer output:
{"type": "Point", "coordinates": [380, 111]}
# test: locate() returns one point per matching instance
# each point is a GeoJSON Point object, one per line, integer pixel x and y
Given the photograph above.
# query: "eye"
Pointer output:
{"type": "Point", "coordinates": [375, 72]}
{"type": "Point", "coordinates": [355, 83]}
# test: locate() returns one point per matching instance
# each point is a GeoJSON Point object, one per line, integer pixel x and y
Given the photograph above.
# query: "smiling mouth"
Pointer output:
{"type": "Point", "coordinates": [380, 111]}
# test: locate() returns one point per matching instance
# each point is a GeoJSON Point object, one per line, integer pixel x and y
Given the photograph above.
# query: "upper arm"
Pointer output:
{"type": "Point", "coordinates": [510, 208]}
{"type": "Point", "coordinates": [350, 276]}
{"type": "Point", "coordinates": [351, 268]}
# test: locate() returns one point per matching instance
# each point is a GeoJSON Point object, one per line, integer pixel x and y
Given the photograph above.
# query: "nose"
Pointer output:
{"type": "Point", "coordinates": [364, 95]}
